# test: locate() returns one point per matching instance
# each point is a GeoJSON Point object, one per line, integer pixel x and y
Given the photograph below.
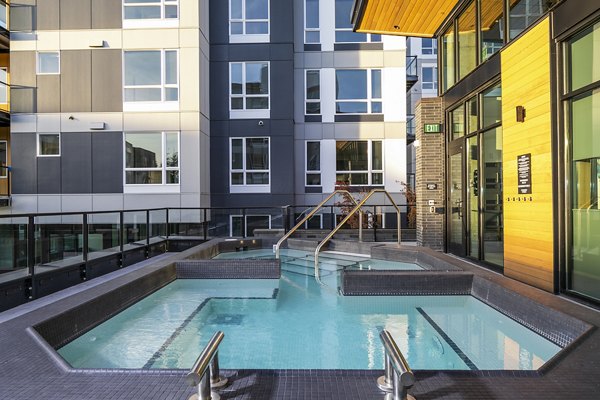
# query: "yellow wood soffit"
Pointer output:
{"type": "Point", "coordinates": [420, 18]}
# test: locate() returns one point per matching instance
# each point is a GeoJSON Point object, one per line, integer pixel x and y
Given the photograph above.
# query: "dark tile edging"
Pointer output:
{"type": "Point", "coordinates": [228, 269]}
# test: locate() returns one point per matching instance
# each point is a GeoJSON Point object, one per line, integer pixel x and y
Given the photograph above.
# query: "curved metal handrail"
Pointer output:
{"type": "Point", "coordinates": [309, 215]}
{"type": "Point", "coordinates": [350, 214]}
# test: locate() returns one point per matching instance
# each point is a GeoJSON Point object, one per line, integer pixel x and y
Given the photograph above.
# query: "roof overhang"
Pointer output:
{"type": "Point", "coordinates": [419, 18]}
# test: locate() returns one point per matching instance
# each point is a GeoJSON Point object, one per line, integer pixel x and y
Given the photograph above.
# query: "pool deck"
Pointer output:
{"type": "Point", "coordinates": [27, 371]}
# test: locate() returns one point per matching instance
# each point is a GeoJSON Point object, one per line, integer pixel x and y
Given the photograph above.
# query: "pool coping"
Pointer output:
{"type": "Point", "coordinates": [553, 367]}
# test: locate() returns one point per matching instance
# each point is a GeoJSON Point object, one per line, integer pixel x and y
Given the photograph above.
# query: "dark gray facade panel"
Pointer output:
{"type": "Point", "coordinates": [47, 15]}
{"type": "Point", "coordinates": [220, 128]}
{"type": "Point", "coordinates": [282, 164]}
{"type": "Point", "coordinates": [282, 90]}
{"type": "Point", "coordinates": [48, 94]}
{"type": "Point", "coordinates": [76, 165]}
{"type": "Point", "coordinates": [219, 52]}
{"type": "Point", "coordinates": [219, 90]}
{"type": "Point", "coordinates": [219, 167]}
{"type": "Point", "coordinates": [22, 68]}
{"type": "Point", "coordinates": [76, 81]}
{"type": "Point", "coordinates": [107, 162]}
{"type": "Point", "coordinates": [107, 89]}
{"type": "Point", "coordinates": [282, 21]}
{"type": "Point", "coordinates": [250, 52]}
{"type": "Point", "coordinates": [75, 14]}
{"type": "Point", "coordinates": [48, 175]}
{"type": "Point", "coordinates": [21, 15]}
{"type": "Point", "coordinates": [249, 127]}
{"type": "Point", "coordinates": [570, 13]}
{"type": "Point", "coordinates": [219, 11]}
{"type": "Point", "coordinates": [282, 127]}
{"type": "Point", "coordinates": [282, 52]}
{"type": "Point", "coordinates": [107, 14]}
{"type": "Point", "coordinates": [24, 167]}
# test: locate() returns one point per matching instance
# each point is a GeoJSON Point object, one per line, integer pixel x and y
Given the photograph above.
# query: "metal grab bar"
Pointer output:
{"type": "Point", "coordinates": [308, 216]}
{"type": "Point", "coordinates": [205, 372]}
{"type": "Point", "coordinates": [350, 214]}
{"type": "Point", "coordinates": [398, 375]}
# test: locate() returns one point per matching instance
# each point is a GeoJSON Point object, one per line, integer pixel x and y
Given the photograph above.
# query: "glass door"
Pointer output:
{"type": "Point", "coordinates": [455, 202]}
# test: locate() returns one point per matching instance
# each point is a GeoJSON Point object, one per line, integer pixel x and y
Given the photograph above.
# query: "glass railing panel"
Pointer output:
{"type": "Point", "coordinates": [135, 228]}
{"type": "Point", "coordinates": [104, 236]}
{"type": "Point", "coordinates": [158, 224]}
{"type": "Point", "coordinates": [58, 240]}
{"type": "Point", "coordinates": [186, 222]}
{"type": "Point", "coordinates": [13, 247]}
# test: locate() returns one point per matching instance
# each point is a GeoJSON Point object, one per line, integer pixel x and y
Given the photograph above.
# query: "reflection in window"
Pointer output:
{"type": "Point", "coordinates": [583, 52]}
{"type": "Point", "coordinates": [48, 62]}
{"type": "Point", "coordinates": [491, 189]}
{"type": "Point", "coordinates": [359, 162]}
{"type": "Point", "coordinates": [467, 43]}
{"type": "Point", "coordinates": [343, 25]}
{"type": "Point", "coordinates": [523, 13]}
{"type": "Point", "coordinates": [150, 9]}
{"type": "Point", "coordinates": [249, 17]}
{"type": "Point", "coordinates": [3, 158]}
{"type": "Point", "coordinates": [358, 91]}
{"type": "Point", "coordinates": [151, 158]}
{"type": "Point", "coordinates": [457, 118]}
{"type": "Point", "coordinates": [428, 46]}
{"type": "Point", "coordinates": [151, 75]}
{"type": "Point", "coordinates": [472, 115]}
{"type": "Point", "coordinates": [448, 58]}
{"type": "Point", "coordinates": [48, 144]}
{"type": "Point", "coordinates": [313, 92]}
{"type": "Point", "coordinates": [249, 161]}
{"type": "Point", "coordinates": [429, 78]}
{"type": "Point", "coordinates": [249, 87]}
{"type": "Point", "coordinates": [492, 106]}
{"type": "Point", "coordinates": [313, 163]}
{"type": "Point", "coordinates": [311, 21]}
{"type": "Point", "coordinates": [492, 30]}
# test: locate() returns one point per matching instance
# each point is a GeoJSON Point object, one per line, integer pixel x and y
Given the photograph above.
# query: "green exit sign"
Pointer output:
{"type": "Point", "coordinates": [432, 128]}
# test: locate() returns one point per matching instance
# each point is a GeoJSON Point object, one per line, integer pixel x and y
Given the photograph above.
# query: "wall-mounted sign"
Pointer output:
{"type": "Point", "coordinates": [524, 173]}
{"type": "Point", "coordinates": [431, 186]}
{"type": "Point", "coordinates": [432, 128]}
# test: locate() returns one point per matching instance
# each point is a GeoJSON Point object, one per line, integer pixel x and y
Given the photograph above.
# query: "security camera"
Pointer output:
{"type": "Point", "coordinates": [260, 123]}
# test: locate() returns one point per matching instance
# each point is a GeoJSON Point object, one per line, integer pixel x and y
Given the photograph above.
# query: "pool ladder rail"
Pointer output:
{"type": "Point", "coordinates": [398, 376]}
{"type": "Point", "coordinates": [205, 371]}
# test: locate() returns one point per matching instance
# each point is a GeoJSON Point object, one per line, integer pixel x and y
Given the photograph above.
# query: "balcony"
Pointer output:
{"type": "Point", "coordinates": [4, 33]}
{"type": "Point", "coordinates": [411, 72]}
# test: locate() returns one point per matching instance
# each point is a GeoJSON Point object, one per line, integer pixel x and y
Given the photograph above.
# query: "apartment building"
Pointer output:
{"type": "Point", "coordinates": [108, 106]}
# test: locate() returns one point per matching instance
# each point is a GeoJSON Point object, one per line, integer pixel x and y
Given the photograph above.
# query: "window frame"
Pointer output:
{"type": "Point", "coordinates": [158, 105]}
{"type": "Point", "coordinates": [369, 99]}
{"type": "Point", "coordinates": [306, 99]}
{"type": "Point", "coordinates": [38, 147]}
{"type": "Point", "coordinates": [369, 171]}
{"type": "Point", "coordinates": [245, 187]}
{"type": "Point", "coordinates": [249, 113]}
{"type": "Point", "coordinates": [161, 22]}
{"type": "Point", "coordinates": [307, 29]}
{"type": "Point", "coordinates": [249, 37]}
{"type": "Point", "coordinates": [3, 171]}
{"type": "Point", "coordinates": [369, 36]}
{"type": "Point", "coordinates": [312, 172]}
{"type": "Point", "coordinates": [434, 83]}
{"type": "Point", "coordinates": [37, 59]}
{"type": "Point", "coordinates": [164, 169]}
{"type": "Point", "coordinates": [433, 48]}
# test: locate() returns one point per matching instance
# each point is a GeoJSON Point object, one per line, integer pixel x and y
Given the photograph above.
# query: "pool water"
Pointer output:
{"type": "Point", "coordinates": [295, 323]}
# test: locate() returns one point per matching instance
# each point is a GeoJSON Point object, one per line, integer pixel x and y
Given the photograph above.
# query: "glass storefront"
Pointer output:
{"type": "Point", "coordinates": [583, 134]}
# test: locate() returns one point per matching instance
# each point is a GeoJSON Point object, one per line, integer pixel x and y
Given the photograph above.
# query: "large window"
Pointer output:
{"type": "Point", "coordinates": [492, 27]}
{"type": "Point", "coordinates": [523, 13]}
{"type": "Point", "coordinates": [467, 43]}
{"type": "Point", "coordinates": [48, 144]}
{"type": "Point", "coordinates": [358, 91]}
{"type": "Point", "coordinates": [428, 46]}
{"type": "Point", "coordinates": [151, 76]}
{"type": "Point", "coordinates": [582, 53]}
{"type": "Point", "coordinates": [248, 21]}
{"type": "Point", "coordinates": [313, 163]}
{"type": "Point", "coordinates": [448, 59]}
{"type": "Point", "coordinates": [137, 10]}
{"type": "Point", "coordinates": [250, 164]}
{"type": "Point", "coordinates": [151, 158]}
{"type": "Point", "coordinates": [249, 89]}
{"type": "Point", "coordinates": [343, 25]}
{"type": "Point", "coordinates": [312, 33]}
{"type": "Point", "coordinates": [359, 162]}
{"type": "Point", "coordinates": [429, 78]}
{"type": "Point", "coordinates": [313, 92]}
{"type": "Point", "coordinates": [3, 158]}
{"type": "Point", "coordinates": [48, 63]}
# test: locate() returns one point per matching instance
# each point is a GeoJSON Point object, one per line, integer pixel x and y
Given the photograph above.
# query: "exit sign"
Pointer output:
{"type": "Point", "coordinates": [432, 128]}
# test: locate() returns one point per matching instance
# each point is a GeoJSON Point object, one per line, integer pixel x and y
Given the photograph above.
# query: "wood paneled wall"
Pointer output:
{"type": "Point", "coordinates": [528, 222]}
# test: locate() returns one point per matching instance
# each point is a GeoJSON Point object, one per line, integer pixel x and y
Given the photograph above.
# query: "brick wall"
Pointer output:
{"type": "Point", "coordinates": [430, 169]}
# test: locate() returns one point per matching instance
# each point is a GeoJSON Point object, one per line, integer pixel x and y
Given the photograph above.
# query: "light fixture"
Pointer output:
{"type": "Point", "coordinates": [521, 114]}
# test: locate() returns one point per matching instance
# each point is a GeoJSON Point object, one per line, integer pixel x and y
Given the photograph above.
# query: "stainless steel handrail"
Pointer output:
{"type": "Point", "coordinates": [205, 371]}
{"type": "Point", "coordinates": [308, 216]}
{"type": "Point", "coordinates": [398, 375]}
{"type": "Point", "coordinates": [350, 214]}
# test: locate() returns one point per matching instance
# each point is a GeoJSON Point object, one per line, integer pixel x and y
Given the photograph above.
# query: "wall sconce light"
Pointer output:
{"type": "Point", "coordinates": [521, 114]}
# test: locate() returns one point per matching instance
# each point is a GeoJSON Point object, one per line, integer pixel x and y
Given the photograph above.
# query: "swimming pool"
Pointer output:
{"type": "Point", "coordinates": [295, 323]}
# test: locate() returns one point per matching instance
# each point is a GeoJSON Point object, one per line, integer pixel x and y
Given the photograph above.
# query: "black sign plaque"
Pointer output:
{"type": "Point", "coordinates": [524, 173]}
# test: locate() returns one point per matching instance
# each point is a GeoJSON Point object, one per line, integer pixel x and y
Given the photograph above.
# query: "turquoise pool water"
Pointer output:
{"type": "Point", "coordinates": [295, 323]}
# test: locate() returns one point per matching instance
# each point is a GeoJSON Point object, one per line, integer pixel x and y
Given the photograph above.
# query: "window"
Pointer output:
{"type": "Point", "coordinates": [48, 144]}
{"type": "Point", "coordinates": [467, 43]}
{"type": "Point", "coordinates": [358, 91]}
{"type": "Point", "coordinates": [313, 92]}
{"type": "Point", "coordinates": [359, 162]}
{"type": "Point", "coordinates": [48, 62]}
{"type": "Point", "coordinates": [491, 106]}
{"type": "Point", "coordinates": [428, 46]}
{"type": "Point", "coordinates": [492, 28]}
{"type": "Point", "coordinates": [152, 158]}
{"type": "Point", "coordinates": [429, 81]}
{"type": "Point", "coordinates": [151, 76]}
{"type": "Point", "coordinates": [448, 59]}
{"type": "Point", "coordinates": [150, 10]}
{"type": "Point", "coordinates": [343, 25]}
{"type": "Point", "coordinates": [3, 158]}
{"type": "Point", "coordinates": [250, 164]}
{"type": "Point", "coordinates": [457, 118]}
{"type": "Point", "coordinates": [3, 86]}
{"type": "Point", "coordinates": [249, 89]}
{"type": "Point", "coordinates": [3, 15]}
{"type": "Point", "coordinates": [311, 21]}
{"type": "Point", "coordinates": [248, 21]}
{"type": "Point", "coordinates": [252, 222]}
{"type": "Point", "coordinates": [313, 163]}
{"type": "Point", "coordinates": [523, 13]}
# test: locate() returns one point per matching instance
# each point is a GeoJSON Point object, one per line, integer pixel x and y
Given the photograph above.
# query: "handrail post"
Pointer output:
{"type": "Point", "coordinates": [398, 375]}
{"type": "Point", "coordinates": [31, 254]}
{"type": "Point", "coordinates": [167, 222]}
{"type": "Point", "coordinates": [205, 371]}
{"type": "Point", "coordinates": [85, 234]}
{"type": "Point", "coordinates": [205, 225]}
{"type": "Point", "coordinates": [216, 380]}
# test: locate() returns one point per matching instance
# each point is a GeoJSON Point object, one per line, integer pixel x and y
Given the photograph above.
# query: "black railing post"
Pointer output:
{"type": "Point", "coordinates": [205, 224]}
{"type": "Point", "coordinates": [167, 222]}
{"type": "Point", "coordinates": [31, 254]}
{"type": "Point", "coordinates": [121, 232]}
{"type": "Point", "coordinates": [332, 218]}
{"type": "Point", "coordinates": [243, 222]}
{"type": "Point", "coordinates": [147, 228]}
{"type": "Point", "coordinates": [85, 237]}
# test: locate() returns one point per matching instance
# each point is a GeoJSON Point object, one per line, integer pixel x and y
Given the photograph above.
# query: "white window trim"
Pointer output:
{"type": "Point", "coordinates": [434, 83]}
{"type": "Point", "coordinates": [246, 37]}
{"type": "Point", "coordinates": [231, 217]}
{"type": "Point", "coordinates": [433, 48]}
{"type": "Point", "coordinates": [306, 171]}
{"type": "Point", "coordinates": [246, 188]}
{"type": "Point", "coordinates": [161, 22]}
{"type": "Point", "coordinates": [38, 144]}
{"type": "Point", "coordinates": [369, 36]}
{"type": "Point", "coordinates": [153, 187]}
{"type": "Point", "coordinates": [4, 171]}
{"type": "Point", "coordinates": [307, 29]}
{"type": "Point", "coordinates": [37, 62]}
{"type": "Point", "coordinates": [369, 100]}
{"type": "Point", "coordinates": [162, 105]}
{"type": "Point", "coordinates": [306, 99]}
{"type": "Point", "coordinates": [370, 171]}
{"type": "Point", "coordinates": [252, 113]}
